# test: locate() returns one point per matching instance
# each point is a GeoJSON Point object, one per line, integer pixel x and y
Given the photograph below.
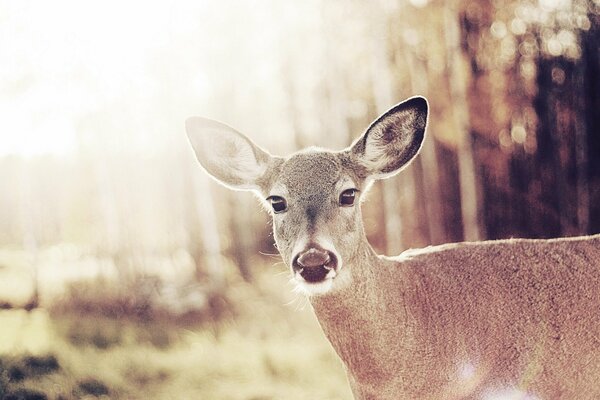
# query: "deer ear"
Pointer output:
{"type": "Point", "coordinates": [393, 139]}
{"type": "Point", "coordinates": [227, 155]}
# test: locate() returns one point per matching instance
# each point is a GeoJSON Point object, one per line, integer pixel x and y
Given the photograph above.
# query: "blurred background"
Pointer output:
{"type": "Point", "coordinates": [125, 272]}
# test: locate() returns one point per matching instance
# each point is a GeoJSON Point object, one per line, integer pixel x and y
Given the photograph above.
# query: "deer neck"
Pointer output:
{"type": "Point", "coordinates": [354, 319]}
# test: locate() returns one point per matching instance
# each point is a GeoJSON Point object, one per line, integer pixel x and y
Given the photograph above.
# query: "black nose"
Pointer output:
{"type": "Point", "coordinates": [314, 264]}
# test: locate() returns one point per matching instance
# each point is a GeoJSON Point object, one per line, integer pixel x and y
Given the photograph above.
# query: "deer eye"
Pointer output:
{"type": "Point", "coordinates": [347, 197]}
{"type": "Point", "coordinates": [278, 203]}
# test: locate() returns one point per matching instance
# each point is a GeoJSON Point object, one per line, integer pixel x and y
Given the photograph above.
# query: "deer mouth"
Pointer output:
{"type": "Point", "coordinates": [316, 274]}
{"type": "Point", "coordinates": [315, 265]}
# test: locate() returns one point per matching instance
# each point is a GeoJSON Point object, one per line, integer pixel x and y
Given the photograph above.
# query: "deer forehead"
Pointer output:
{"type": "Point", "coordinates": [313, 175]}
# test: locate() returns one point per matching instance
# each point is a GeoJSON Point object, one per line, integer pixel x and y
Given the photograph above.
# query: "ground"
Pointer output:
{"type": "Point", "coordinates": [271, 349]}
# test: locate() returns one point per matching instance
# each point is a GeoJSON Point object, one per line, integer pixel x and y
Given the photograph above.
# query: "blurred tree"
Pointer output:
{"type": "Point", "coordinates": [512, 149]}
{"type": "Point", "coordinates": [529, 100]}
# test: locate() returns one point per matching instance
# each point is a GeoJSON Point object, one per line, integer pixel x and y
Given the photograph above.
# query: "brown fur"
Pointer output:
{"type": "Point", "coordinates": [524, 314]}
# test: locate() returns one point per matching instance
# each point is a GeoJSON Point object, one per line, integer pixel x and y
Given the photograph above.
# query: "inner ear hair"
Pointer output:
{"type": "Point", "coordinates": [393, 139]}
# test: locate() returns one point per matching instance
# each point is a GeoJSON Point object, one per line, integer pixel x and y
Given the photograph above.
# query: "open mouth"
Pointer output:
{"type": "Point", "coordinates": [317, 274]}
{"type": "Point", "coordinates": [315, 265]}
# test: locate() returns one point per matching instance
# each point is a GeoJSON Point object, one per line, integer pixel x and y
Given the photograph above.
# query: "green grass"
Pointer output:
{"type": "Point", "coordinates": [269, 350]}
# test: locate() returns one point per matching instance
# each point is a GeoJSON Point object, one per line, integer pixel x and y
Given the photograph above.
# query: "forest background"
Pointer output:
{"type": "Point", "coordinates": [125, 272]}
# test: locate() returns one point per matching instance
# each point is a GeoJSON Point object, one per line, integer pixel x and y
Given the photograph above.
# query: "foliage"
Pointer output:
{"type": "Point", "coordinates": [139, 299]}
{"type": "Point", "coordinates": [269, 351]}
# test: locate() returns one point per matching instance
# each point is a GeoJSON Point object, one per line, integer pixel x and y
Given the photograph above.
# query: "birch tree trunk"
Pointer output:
{"type": "Point", "coordinates": [383, 89]}
{"type": "Point", "coordinates": [30, 243]}
{"type": "Point", "coordinates": [468, 183]}
{"type": "Point", "coordinates": [427, 162]}
{"type": "Point", "coordinates": [241, 232]}
{"type": "Point", "coordinates": [209, 232]}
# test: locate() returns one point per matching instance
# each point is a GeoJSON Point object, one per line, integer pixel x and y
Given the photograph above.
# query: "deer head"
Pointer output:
{"type": "Point", "coordinates": [314, 195]}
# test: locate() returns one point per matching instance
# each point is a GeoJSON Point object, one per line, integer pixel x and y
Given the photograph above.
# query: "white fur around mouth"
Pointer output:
{"type": "Point", "coordinates": [336, 279]}
{"type": "Point", "coordinates": [313, 288]}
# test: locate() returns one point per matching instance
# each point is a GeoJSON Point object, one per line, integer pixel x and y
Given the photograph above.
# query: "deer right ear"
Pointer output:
{"type": "Point", "coordinates": [393, 139]}
{"type": "Point", "coordinates": [227, 155]}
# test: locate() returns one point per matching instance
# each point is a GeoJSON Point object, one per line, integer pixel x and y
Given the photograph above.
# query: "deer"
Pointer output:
{"type": "Point", "coordinates": [490, 320]}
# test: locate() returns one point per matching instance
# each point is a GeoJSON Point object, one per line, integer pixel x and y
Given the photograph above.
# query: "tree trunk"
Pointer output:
{"type": "Point", "coordinates": [426, 168]}
{"type": "Point", "coordinates": [211, 244]}
{"type": "Point", "coordinates": [468, 184]}
{"type": "Point", "coordinates": [383, 88]}
{"type": "Point", "coordinates": [241, 233]}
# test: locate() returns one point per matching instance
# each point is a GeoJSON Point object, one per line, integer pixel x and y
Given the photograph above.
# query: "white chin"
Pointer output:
{"type": "Point", "coordinates": [313, 289]}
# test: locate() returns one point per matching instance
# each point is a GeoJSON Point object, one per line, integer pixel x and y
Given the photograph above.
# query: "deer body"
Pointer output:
{"type": "Point", "coordinates": [492, 320]}
{"type": "Point", "coordinates": [512, 319]}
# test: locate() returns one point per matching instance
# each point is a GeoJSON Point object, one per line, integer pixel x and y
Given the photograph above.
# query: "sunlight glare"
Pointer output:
{"type": "Point", "coordinates": [65, 62]}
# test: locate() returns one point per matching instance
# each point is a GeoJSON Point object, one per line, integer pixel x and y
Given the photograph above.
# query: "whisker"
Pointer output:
{"type": "Point", "coordinates": [289, 303]}
{"type": "Point", "coordinates": [302, 302]}
{"type": "Point", "coordinates": [278, 266]}
{"type": "Point", "coordinates": [281, 273]}
{"type": "Point", "coordinates": [274, 255]}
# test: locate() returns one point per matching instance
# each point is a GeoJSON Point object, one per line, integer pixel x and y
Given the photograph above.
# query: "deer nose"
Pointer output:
{"type": "Point", "coordinates": [313, 258]}
{"type": "Point", "coordinates": [314, 264]}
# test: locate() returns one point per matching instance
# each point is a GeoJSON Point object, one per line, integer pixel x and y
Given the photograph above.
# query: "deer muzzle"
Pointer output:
{"type": "Point", "coordinates": [314, 264]}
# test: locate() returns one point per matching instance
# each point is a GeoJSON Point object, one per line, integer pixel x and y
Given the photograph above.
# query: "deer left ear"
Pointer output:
{"type": "Point", "coordinates": [393, 139]}
{"type": "Point", "coordinates": [227, 155]}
